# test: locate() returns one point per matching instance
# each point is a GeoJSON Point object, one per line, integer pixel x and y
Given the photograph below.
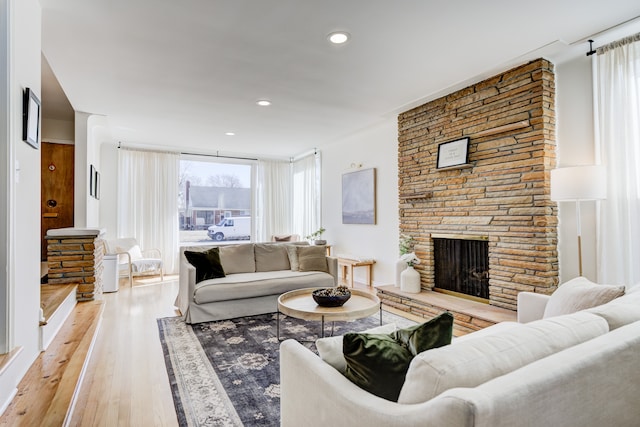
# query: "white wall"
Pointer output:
{"type": "Point", "coordinates": [22, 203]}
{"type": "Point", "coordinates": [60, 131]}
{"type": "Point", "coordinates": [375, 147]}
{"type": "Point", "coordinates": [575, 146]}
{"type": "Point", "coordinates": [90, 132]}
{"type": "Point", "coordinates": [109, 196]}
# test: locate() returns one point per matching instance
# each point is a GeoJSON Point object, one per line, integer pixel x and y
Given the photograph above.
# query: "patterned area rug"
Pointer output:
{"type": "Point", "coordinates": [227, 373]}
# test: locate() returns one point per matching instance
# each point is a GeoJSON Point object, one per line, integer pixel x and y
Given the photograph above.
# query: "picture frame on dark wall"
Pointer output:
{"type": "Point", "coordinates": [31, 118]}
{"type": "Point", "coordinates": [359, 197]}
{"type": "Point", "coordinates": [92, 181]}
{"type": "Point", "coordinates": [453, 154]}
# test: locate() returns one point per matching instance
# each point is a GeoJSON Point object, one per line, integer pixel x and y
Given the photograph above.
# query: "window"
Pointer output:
{"type": "Point", "coordinates": [212, 197]}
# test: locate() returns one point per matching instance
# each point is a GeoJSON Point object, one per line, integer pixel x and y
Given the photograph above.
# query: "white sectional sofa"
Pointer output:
{"type": "Point", "coordinates": [255, 275]}
{"type": "Point", "coordinates": [578, 369]}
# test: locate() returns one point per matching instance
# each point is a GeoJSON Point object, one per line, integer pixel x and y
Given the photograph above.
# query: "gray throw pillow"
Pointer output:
{"type": "Point", "coordinates": [312, 258]}
{"type": "Point", "coordinates": [238, 258]}
{"type": "Point", "coordinates": [271, 257]}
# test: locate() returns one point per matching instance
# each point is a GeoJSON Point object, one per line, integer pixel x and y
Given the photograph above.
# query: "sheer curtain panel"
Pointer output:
{"type": "Point", "coordinates": [273, 200]}
{"type": "Point", "coordinates": [148, 201]}
{"type": "Point", "coordinates": [306, 195]}
{"type": "Point", "coordinates": [617, 76]}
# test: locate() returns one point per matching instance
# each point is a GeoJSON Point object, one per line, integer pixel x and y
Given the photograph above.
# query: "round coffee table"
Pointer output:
{"type": "Point", "coordinates": [301, 305]}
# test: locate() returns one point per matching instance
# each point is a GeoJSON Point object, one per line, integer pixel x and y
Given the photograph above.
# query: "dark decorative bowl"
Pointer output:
{"type": "Point", "coordinates": [331, 297]}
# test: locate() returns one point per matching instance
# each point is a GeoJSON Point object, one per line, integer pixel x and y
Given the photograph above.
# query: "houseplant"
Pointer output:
{"type": "Point", "coordinates": [316, 237]}
{"type": "Point", "coordinates": [405, 245]}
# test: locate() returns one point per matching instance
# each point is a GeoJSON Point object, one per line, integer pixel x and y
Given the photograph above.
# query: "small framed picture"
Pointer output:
{"type": "Point", "coordinates": [96, 190]}
{"type": "Point", "coordinates": [31, 118]}
{"type": "Point", "coordinates": [92, 181]}
{"type": "Point", "coordinates": [453, 153]}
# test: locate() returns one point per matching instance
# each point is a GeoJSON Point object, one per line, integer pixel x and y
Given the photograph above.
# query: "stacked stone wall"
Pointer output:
{"type": "Point", "coordinates": [503, 194]}
{"type": "Point", "coordinates": [76, 260]}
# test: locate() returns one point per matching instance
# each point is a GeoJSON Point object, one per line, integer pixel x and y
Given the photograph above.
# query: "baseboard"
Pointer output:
{"type": "Point", "coordinates": [7, 395]}
{"type": "Point", "coordinates": [49, 330]}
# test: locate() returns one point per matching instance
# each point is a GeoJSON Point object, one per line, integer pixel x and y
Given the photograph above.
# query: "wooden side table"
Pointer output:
{"type": "Point", "coordinates": [350, 264]}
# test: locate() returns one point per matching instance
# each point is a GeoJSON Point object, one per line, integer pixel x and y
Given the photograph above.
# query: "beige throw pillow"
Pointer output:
{"type": "Point", "coordinates": [579, 294]}
{"type": "Point", "coordinates": [312, 258]}
{"type": "Point", "coordinates": [238, 258]}
{"type": "Point", "coordinates": [271, 257]}
{"type": "Point", "coordinates": [292, 252]}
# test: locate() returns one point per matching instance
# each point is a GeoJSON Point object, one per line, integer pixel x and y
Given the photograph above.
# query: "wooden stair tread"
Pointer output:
{"type": "Point", "coordinates": [46, 392]}
{"type": "Point", "coordinates": [52, 296]}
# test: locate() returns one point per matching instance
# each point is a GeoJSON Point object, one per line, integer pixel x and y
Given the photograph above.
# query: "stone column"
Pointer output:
{"type": "Point", "coordinates": [74, 256]}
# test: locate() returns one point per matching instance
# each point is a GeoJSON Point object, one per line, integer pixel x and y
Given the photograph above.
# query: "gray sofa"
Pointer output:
{"type": "Point", "coordinates": [577, 369]}
{"type": "Point", "coordinates": [256, 275]}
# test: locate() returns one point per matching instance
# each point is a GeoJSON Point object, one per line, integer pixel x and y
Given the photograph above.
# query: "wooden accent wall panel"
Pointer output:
{"type": "Point", "coordinates": [56, 201]}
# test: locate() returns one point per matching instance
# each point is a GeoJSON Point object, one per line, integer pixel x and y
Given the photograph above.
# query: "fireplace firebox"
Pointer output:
{"type": "Point", "coordinates": [461, 266]}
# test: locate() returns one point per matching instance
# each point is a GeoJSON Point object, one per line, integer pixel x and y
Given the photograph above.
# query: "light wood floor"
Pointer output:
{"type": "Point", "coordinates": [126, 381]}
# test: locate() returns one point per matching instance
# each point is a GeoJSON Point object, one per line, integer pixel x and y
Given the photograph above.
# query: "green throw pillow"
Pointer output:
{"type": "Point", "coordinates": [378, 363]}
{"type": "Point", "coordinates": [207, 264]}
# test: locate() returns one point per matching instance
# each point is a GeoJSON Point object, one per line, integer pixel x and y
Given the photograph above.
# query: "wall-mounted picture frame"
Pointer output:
{"type": "Point", "coordinates": [31, 118]}
{"type": "Point", "coordinates": [96, 190]}
{"type": "Point", "coordinates": [92, 181]}
{"type": "Point", "coordinates": [359, 197]}
{"type": "Point", "coordinates": [453, 153]}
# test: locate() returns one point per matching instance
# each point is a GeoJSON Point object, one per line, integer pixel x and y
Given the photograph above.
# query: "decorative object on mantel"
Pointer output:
{"type": "Point", "coordinates": [316, 237]}
{"type": "Point", "coordinates": [405, 245]}
{"type": "Point", "coordinates": [453, 153]}
{"type": "Point", "coordinates": [410, 278]}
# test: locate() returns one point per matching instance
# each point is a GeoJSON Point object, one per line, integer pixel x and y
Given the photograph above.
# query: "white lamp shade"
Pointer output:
{"type": "Point", "coordinates": [579, 183]}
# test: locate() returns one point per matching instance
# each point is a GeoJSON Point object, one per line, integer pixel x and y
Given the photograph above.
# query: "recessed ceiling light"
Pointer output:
{"type": "Point", "coordinates": [338, 37]}
{"type": "Point", "coordinates": [230, 133]}
{"type": "Point", "coordinates": [263, 102]}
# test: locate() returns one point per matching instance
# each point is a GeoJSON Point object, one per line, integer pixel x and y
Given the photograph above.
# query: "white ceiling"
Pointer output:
{"type": "Point", "coordinates": [182, 73]}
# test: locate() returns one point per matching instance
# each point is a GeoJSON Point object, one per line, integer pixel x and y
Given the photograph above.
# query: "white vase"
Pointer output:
{"type": "Point", "coordinates": [400, 267]}
{"type": "Point", "coordinates": [410, 281]}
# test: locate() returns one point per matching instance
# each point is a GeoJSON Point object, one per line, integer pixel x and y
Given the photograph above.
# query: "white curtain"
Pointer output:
{"type": "Point", "coordinates": [148, 201]}
{"type": "Point", "coordinates": [273, 200]}
{"type": "Point", "coordinates": [306, 195]}
{"type": "Point", "coordinates": [617, 78]}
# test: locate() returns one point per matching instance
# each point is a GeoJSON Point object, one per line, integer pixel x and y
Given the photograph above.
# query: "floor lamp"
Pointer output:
{"type": "Point", "coordinates": [578, 184]}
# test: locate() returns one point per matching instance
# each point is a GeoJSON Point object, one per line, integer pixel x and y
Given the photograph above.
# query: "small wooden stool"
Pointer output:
{"type": "Point", "coordinates": [344, 263]}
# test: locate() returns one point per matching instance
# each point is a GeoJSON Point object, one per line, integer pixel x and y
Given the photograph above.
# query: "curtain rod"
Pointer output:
{"type": "Point", "coordinates": [219, 156]}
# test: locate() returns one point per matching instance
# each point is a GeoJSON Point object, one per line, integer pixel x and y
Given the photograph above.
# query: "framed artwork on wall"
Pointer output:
{"type": "Point", "coordinates": [453, 153]}
{"type": "Point", "coordinates": [359, 197]}
{"type": "Point", "coordinates": [92, 181]}
{"type": "Point", "coordinates": [96, 189]}
{"type": "Point", "coordinates": [31, 118]}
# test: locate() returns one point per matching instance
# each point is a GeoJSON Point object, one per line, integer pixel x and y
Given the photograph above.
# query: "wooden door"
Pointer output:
{"type": "Point", "coordinates": [57, 175]}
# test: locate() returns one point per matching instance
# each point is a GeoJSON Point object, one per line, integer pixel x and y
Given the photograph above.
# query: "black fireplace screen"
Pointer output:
{"type": "Point", "coordinates": [462, 266]}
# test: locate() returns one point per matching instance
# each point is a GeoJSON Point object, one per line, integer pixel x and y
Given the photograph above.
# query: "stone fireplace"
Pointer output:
{"type": "Point", "coordinates": [501, 194]}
